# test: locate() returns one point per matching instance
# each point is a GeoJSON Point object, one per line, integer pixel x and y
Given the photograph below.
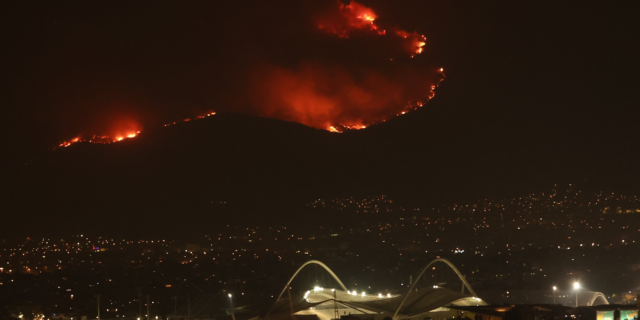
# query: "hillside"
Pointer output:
{"type": "Point", "coordinates": [237, 168]}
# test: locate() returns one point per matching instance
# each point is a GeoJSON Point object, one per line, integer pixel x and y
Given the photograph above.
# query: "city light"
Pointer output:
{"type": "Point", "coordinates": [39, 256]}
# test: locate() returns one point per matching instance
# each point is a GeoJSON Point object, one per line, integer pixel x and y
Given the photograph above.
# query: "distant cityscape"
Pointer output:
{"type": "Point", "coordinates": [534, 242]}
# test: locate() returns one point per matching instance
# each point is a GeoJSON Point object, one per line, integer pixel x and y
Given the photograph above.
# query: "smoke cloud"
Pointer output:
{"type": "Point", "coordinates": [348, 72]}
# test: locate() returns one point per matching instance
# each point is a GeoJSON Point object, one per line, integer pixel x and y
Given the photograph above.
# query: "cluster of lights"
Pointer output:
{"type": "Point", "coordinates": [355, 293]}
{"type": "Point", "coordinates": [364, 294]}
{"type": "Point", "coordinates": [525, 209]}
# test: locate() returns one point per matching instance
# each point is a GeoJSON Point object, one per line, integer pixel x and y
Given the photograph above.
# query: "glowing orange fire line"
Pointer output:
{"type": "Point", "coordinates": [105, 139]}
{"type": "Point", "coordinates": [339, 128]}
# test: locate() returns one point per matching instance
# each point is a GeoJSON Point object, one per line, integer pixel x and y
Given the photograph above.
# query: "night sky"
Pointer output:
{"type": "Point", "coordinates": [536, 92]}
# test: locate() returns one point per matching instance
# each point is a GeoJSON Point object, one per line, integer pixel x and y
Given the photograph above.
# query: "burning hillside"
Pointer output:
{"type": "Point", "coordinates": [107, 139]}
{"type": "Point", "coordinates": [373, 79]}
{"type": "Point", "coordinates": [327, 65]}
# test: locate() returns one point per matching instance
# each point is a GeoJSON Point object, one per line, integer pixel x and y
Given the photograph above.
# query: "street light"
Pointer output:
{"type": "Point", "coordinates": [554, 294]}
{"type": "Point", "coordinates": [231, 309]}
{"type": "Point", "coordinates": [576, 287]}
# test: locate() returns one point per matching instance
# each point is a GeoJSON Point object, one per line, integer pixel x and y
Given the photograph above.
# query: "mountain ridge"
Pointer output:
{"type": "Point", "coordinates": [172, 178]}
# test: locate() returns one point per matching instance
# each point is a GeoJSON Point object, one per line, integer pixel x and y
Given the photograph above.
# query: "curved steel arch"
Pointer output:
{"type": "Point", "coordinates": [406, 295]}
{"type": "Point", "coordinates": [296, 273]}
{"type": "Point", "coordinates": [598, 295]}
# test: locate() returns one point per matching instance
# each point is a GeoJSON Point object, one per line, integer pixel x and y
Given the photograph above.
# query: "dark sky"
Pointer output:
{"type": "Point", "coordinates": [531, 85]}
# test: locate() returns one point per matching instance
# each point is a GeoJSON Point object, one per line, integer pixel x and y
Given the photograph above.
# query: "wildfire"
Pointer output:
{"type": "Point", "coordinates": [98, 139]}
{"type": "Point", "coordinates": [329, 99]}
{"type": "Point", "coordinates": [339, 128]}
{"type": "Point", "coordinates": [319, 92]}
{"type": "Point", "coordinates": [354, 16]}
{"type": "Point", "coordinates": [208, 114]}
{"type": "Point", "coordinates": [106, 139]}
{"type": "Point", "coordinates": [414, 43]}
{"type": "Point", "coordinates": [368, 18]}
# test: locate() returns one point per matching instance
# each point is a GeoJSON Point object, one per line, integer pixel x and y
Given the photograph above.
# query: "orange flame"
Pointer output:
{"type": "Point", "coordinates": [332, 98]}
{"type": "Point", "coordinates": [106, 139]}
{"type": "Point", "coordinates": [308, 105]}
{"type": "Point", "coordinates": [368, 18]}
{"type": "Point", "coordinates": [355, 16]}
{"type": "Point", "coordinates": [350, 17]}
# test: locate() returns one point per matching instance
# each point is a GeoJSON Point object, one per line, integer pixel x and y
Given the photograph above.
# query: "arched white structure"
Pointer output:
{"type": "Point", "coordinates": [406, 295]}
{"type": "Point", "coordinates": [598, 295]}
{"type": "Point", "coordinates": [296, 273]}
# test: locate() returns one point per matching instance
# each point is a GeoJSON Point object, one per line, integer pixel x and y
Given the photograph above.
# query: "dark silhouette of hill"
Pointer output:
{"type": "Point", "coordinates": [230, 168]}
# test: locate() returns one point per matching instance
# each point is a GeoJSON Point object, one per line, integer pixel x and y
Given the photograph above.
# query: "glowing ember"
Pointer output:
{"type": "Point", "coordinates": [68, 143]}
{"type": "Point", "coordinates": [98, 139]}
{"type": "Point", "coordinates": [349, 18]}
{"type": "Point", "coordinates": [106, 139]}
{"type": "Point", "coordinates": [208, 114]}
{"type": "Point", "coordinates": [339, 128]}
{"type": "Point", "coordinates": [414, 42]}
{"type": "Point", "coordinates": [354, 17]}
{"type": "Point", "coordinates": [368, 18]}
